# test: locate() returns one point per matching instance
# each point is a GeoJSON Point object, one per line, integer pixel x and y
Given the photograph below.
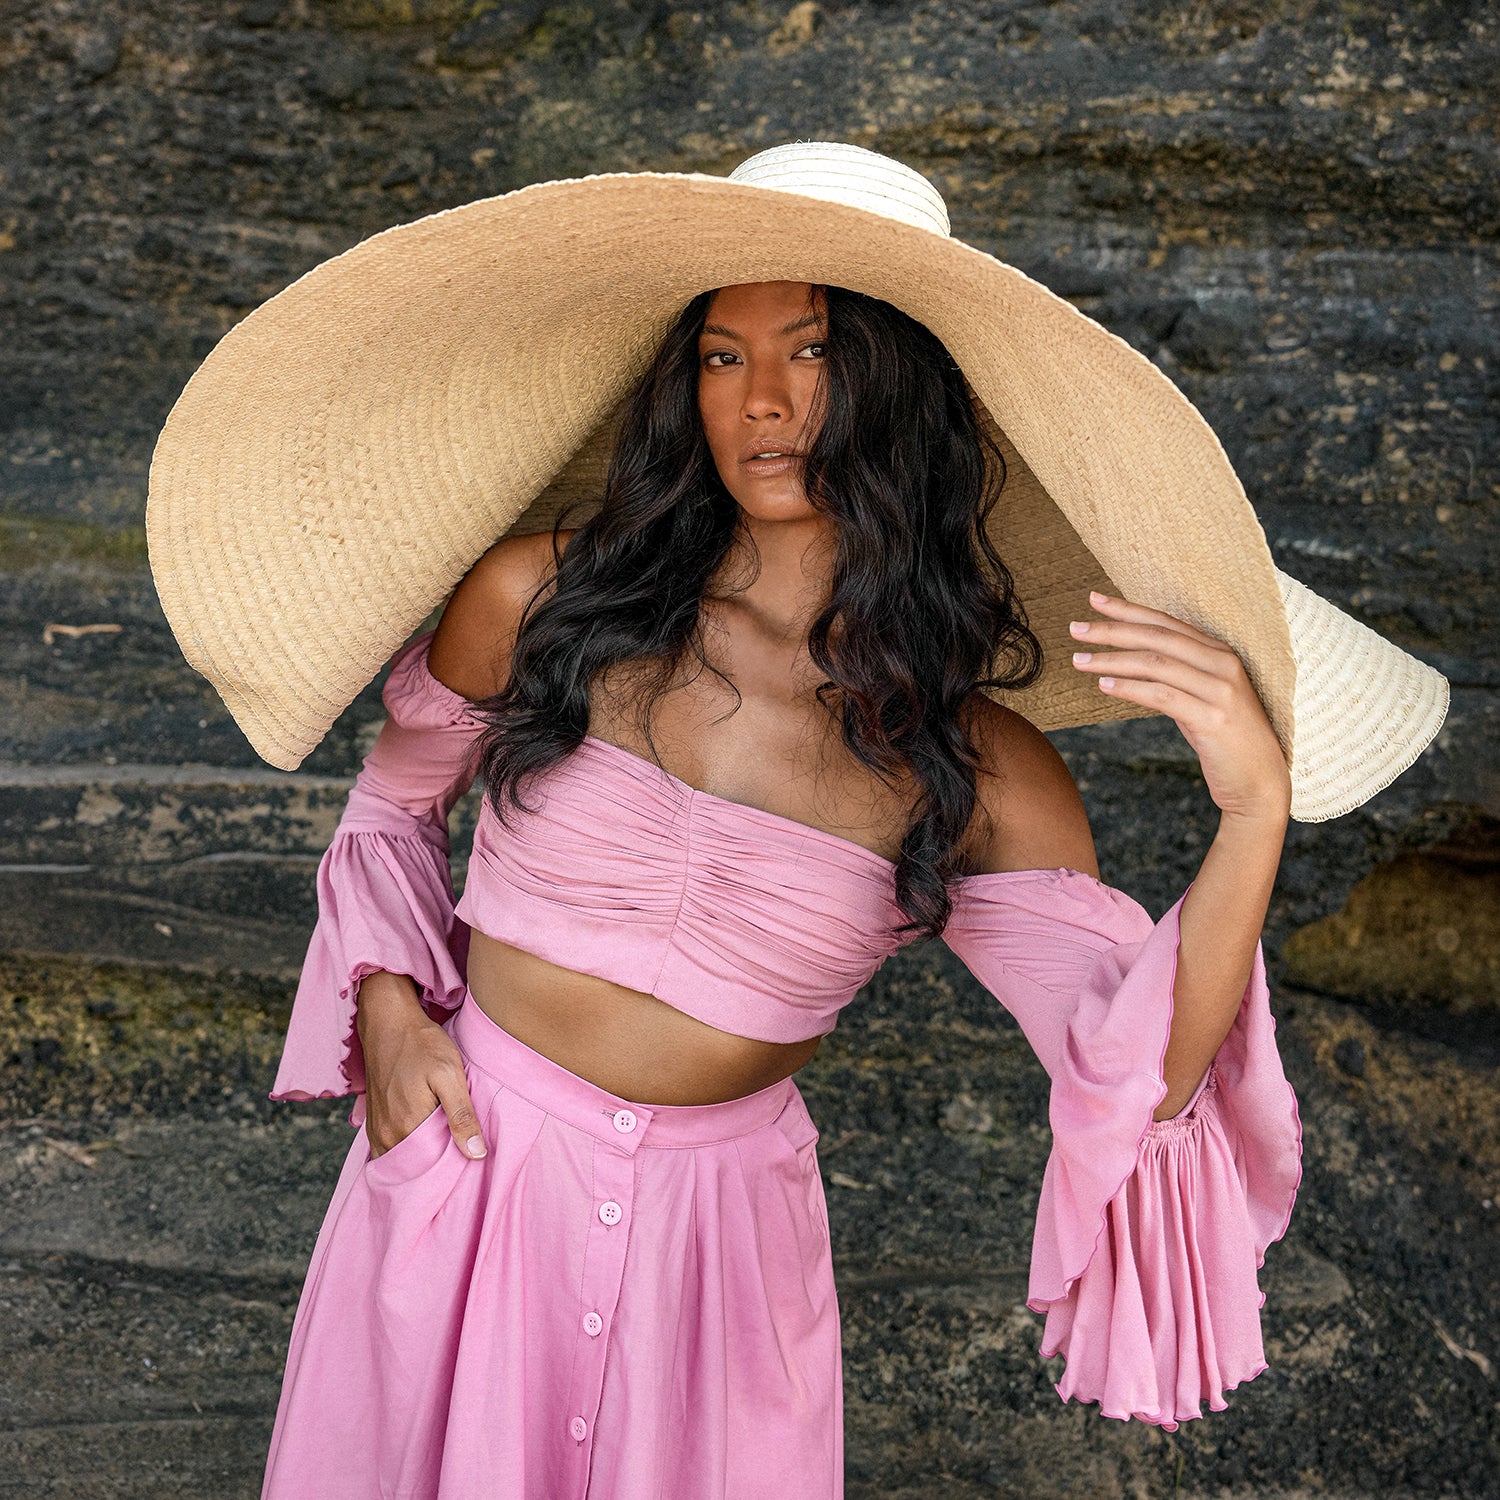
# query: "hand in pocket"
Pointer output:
{"type": "Point", "coordinates": [412, 1066]}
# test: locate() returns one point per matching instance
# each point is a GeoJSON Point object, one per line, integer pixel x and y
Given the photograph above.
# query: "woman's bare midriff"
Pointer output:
{"type": "Point", "coordinates": [623, 1040]}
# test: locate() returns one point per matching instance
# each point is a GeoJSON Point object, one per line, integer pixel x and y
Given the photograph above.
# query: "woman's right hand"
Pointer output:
{"type": "Point", "coordinates": [412, 1066]}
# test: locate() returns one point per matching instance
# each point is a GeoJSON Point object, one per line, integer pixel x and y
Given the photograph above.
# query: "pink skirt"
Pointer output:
{"type": "Point", "coordinates": [622, 1301]}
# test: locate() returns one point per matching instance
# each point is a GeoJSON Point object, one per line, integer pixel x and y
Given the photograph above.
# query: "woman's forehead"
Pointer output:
{"type": "Point", "coordinates": [768, 297]}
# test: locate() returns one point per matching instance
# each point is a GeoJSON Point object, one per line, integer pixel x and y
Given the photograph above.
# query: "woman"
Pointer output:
{"type": "Point", "coordinates": [813, 408]}
{"type": "Point", "coordinates": [740, 744]}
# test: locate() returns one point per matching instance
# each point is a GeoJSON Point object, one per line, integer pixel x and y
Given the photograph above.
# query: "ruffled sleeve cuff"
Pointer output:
{"type": "Point", "coordinates": [1149, 1233]}
{"type": "Point", "coordinates": [385, 902]}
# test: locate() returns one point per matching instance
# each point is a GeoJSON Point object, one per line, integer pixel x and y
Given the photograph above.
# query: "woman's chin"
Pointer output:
{"type": "Point", "coordinates": [768, 502]}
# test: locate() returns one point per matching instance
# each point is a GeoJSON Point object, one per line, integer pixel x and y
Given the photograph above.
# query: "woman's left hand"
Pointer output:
{"type": "Point", "coordinates": [1168, 665]}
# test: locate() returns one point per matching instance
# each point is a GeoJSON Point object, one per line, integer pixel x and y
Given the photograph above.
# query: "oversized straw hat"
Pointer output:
{"type": "Point", "coordinates": [348, 451]}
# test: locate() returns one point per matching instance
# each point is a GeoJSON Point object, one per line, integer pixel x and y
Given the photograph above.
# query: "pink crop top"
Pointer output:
{"type": "Point", "coordinates": [746, 920]}
{"type": "Point", "coordinates": [1148, 1233]}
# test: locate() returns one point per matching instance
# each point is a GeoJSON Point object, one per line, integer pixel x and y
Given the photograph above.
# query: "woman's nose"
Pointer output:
{"type": "Point", "coordinates": [767, 394]}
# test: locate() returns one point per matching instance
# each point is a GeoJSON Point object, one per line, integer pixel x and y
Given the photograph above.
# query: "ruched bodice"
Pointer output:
{"type": "Point", "coordinates": [754, 923]}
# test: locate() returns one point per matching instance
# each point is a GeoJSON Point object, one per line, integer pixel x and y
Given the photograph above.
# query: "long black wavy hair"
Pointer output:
{"type": "Point", "coordinates": [920, 601]}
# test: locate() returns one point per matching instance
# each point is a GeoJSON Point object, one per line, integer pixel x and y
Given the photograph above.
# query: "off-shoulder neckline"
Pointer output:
{"type": "Point", "coordinates": [810, 830]}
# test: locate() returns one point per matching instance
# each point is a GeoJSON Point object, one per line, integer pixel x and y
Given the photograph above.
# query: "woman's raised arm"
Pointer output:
{"type": "Point", "coordinates": [1176, 1150]}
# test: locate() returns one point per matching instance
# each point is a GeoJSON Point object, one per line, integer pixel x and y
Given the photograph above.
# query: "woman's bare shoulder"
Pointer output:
{"type": "Point", "coordinates": [476, 635]}
{"type": "Point", "coordinates": [1036, 817]}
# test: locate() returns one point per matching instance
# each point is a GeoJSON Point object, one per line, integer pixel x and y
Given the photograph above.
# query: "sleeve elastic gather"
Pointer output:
{"type": "Point", "coordinates": [1149, 1233]}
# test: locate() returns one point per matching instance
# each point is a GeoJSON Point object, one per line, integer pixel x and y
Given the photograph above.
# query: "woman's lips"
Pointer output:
{"type": "Point", "coordinates": [768, 466]}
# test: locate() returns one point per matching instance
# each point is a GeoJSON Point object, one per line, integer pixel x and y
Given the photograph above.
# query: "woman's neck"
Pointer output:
{"type": "Point", "coordinates": [794, 578]}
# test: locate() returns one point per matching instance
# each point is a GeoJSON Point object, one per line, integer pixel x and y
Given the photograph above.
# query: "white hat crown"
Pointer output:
{"type": "Point", "coordinates": [841, 173]}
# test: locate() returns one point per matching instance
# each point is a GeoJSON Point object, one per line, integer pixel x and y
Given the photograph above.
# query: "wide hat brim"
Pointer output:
{"type": "Point", "coordinates": [347, 452]}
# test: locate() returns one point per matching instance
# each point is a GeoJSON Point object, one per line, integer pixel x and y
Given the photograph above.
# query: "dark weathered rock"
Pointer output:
{"type": "Point", "coordinates": [493, 35]}
{"type": "Point", "coordinates": [1349, 1054]}
{"type": "Point", "coordinates": [1422, 928]}
{"type": "Point", "coordinates": [1435, 617]}
{"type": "Point", "coordinates": [339, 75]}
{"type": "Point", "coordinates": [91, 1040]}
{"type": "Point", "coordinates": [96, 52]}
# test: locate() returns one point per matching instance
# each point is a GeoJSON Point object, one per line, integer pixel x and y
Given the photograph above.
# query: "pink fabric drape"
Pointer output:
{"type": "Point", "coordinates": [1149, 1233]}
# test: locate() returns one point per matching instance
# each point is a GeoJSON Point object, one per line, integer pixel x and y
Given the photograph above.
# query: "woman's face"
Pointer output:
{"type": "Point", "coordinates": [759, 357]}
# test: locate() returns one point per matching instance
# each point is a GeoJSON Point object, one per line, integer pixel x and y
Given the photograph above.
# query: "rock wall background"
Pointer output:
{"type": "Point", "coordinates": [1290, 207]}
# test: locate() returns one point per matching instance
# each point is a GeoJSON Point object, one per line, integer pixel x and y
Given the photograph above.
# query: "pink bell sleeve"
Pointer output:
{"type": "Point", "coordinates": [385, 890]}
{"type": "Point", "coordinates": [1149, 1233]}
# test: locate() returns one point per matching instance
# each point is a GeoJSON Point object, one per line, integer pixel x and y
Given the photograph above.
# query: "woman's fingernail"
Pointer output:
{"type": "Point", "coordinates": [1079, 627]}
{"type": "Point", "coordinates": [1082, 656]}
{"type": "Point", "coordinates": [1098, 598]}
{"type": "Point", "coordinates": [475, 1147]}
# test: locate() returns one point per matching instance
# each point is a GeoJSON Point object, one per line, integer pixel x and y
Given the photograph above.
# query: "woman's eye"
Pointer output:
{"type": "Point", "coordinates": [708, 359]}
{"type": "Point", "coordinates": [819, 348]}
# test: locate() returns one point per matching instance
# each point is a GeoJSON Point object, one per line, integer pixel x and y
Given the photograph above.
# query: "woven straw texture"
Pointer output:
{"type": "Point", "coordinates": [346, 453]}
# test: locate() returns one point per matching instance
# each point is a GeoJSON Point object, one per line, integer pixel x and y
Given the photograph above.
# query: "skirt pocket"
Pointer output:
{"type": "Point", "coordinates": [416, 1151]}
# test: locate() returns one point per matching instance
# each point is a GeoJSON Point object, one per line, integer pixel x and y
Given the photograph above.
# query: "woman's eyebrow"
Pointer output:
{"type": "Point", "coordinates": [718, 330]}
